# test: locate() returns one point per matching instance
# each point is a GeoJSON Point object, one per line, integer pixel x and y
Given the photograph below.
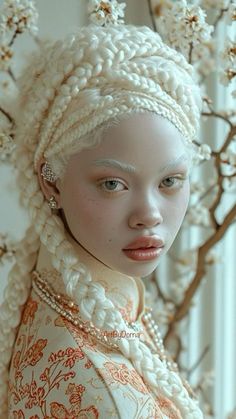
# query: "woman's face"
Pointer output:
{"type": "Point", "coordinates": [134, 184]}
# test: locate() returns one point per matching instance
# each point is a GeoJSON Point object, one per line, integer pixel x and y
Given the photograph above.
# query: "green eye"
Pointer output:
{"type": "Point", "coordinates": [173, 182]}
{"type": "Point", "coordinates": [111, 184]}
{"type": "Point", "coordinates": [168, 182]}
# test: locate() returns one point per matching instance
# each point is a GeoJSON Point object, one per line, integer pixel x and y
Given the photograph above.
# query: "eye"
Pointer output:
{"type": "Point", "coordinates": [111, 185]}
{"type": "Point", "coordinates": [173, 182]}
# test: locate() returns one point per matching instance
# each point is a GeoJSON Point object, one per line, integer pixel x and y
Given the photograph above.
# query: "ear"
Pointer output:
{"type": "Point", "coordinates": [49, 189]}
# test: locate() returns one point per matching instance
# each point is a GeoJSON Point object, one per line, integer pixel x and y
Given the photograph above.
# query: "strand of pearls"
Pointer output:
{"type": "Point", "coordinates": [66, 308]}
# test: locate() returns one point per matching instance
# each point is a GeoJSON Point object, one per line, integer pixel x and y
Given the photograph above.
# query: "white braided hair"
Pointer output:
{"type": "Point", "coordinates": [71, 90]}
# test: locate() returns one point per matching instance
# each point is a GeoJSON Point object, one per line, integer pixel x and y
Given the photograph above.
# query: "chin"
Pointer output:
{"type": "Point", "coordinates": [141, 270]}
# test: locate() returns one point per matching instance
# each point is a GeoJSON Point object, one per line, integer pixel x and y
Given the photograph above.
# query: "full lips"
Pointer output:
{"type": "Point", "coordinates": [141, 254]}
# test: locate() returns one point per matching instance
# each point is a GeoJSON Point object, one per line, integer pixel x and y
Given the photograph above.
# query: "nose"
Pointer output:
{"type": "Point", "coordinates": [146, 215]}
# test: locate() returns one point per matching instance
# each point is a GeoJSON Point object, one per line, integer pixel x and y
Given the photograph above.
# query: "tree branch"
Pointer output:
{"type": "Point", "coordinates": [218, 115]}
{"type": "Point", "coordinates": [183, 308]}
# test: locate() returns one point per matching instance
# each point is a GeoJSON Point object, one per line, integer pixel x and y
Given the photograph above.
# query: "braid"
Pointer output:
{"type": "Point", "coordinates": [76, 88]}
{"type": "Point", "coordinates": [15, 295]}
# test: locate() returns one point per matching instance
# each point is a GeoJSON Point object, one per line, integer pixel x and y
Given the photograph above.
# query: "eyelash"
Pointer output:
{"type": "Point", "coordinates": [180, 180]}
{"type": "Point", "coordinates": [100, 184]}
{"type": "Point", "coordinates": [179, 183]}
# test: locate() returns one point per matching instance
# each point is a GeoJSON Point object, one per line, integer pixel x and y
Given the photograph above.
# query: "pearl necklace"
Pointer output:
{"type": "Point", "coordinates": [68, 309]}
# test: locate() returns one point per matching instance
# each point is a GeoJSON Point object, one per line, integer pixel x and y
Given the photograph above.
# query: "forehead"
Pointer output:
{"type": "Point", "coordinates": [142, 139]}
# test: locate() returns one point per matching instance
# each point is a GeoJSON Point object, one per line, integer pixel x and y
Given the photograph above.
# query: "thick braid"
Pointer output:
{"type": "Point", "coordinates": [15, 295]}
{"type": "Point", "coordinates": [74, 87]}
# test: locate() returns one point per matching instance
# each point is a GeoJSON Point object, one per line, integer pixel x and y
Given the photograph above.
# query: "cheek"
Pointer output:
{"type": "Point", "coordinates": [92, 211]}
{"type": "Point", "coordinates": [176, 209]}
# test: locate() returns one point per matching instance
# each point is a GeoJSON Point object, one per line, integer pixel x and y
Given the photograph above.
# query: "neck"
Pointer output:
{"type": "Point", "coordinates": [127, 293]}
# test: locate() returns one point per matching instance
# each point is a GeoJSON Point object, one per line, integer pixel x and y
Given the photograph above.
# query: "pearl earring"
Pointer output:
{"type": "Point", "coordinates": [52, 203]}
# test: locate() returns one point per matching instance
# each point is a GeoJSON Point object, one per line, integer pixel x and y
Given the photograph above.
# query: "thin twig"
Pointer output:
{"type": "Point", "coordinates": [152, 15]}
{"type": "Point", "coordinates": [16, 33]}
{"type": "Point", "coordinates": [206, 192]}
{"type": "Point", "coordinates": [229, 137]}
{"type": "Point", "coordinates": [218, 115]}
{"type": "Point", "coordinates": [11, 74]}
{"type": "Point", "coordinates": [159, 290]}
{"type": "Point", "coordinates": [218, 18]}
{"type": "Point", "coordinates": [220, 177]}
{"type": "Point", "coordinates": [198, 362]}
{"type": "Point", "coordinates": [7, 115]}
{"type": "Point", "coordinates": [190, 53]}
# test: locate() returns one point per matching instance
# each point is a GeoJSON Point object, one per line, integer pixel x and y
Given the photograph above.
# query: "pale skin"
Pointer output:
{"type": "Point", "coordinates": [118, 191]}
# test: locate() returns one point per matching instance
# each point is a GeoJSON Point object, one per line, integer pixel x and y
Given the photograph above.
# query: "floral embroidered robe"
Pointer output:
{"type": "Point", "coordinates": [59, 371]}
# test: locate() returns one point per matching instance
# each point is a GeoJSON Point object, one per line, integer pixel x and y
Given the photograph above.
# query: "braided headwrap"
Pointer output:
{"type": "Point", "coordinates": [67, 92]}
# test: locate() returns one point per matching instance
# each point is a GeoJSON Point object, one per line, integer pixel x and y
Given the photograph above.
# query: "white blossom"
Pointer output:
{"type": "Point", "coordinates": [179, 285]}
{"type": "Point", "coordinates": [6, 145]}
{"type": "Point", "coordinates": [228, 60]}
{"type": "Point", "coordinates": [213, 257]}
{"type": "Point", "coordinates": [228, 55]}
{"type": "Point", "coordinates": [207, 379]}
{"type": "Point", "coordinates": [198, 215]}
{"type": "Point", "coordinates": [188, 259]}
{"type": "Point", "coordinates": [105, 12]}
{"type": "Point", "coordinates": [202, 58]}
{"type": "Point", "coordinates": [231, 13]}
{"type": "Point", "coordinates": [229, 184]}
{"type": "Point", "coordinates": [227, 76]}
{"type": "Point", "coordinates": [184, 26]}
{"type": "Point", "coordinates": [163, 312]}
{"type": "Point", "coordinates": [19, 16]}
{"type": "Point", "coordinates": [6, 54]}
{"type": "Point", "coordinates": [7, 248]}
{"type": "Point", "coordinates": [196, 188]}
{"type": "Point", "coordinates": [205, 152]}
{"type": "Point", "coordinates": [229, 156]}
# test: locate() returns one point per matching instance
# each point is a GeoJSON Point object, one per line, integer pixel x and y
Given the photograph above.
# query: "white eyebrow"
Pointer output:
{"type": "Point", "coordinates": [131, 169]}
{"type": "Point", "coordinates": [115, 163]}
{"type": "Point", "coordinates": [174, 163]}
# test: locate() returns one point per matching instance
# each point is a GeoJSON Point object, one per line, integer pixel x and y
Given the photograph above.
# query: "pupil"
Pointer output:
{"type": "Point", "coordinates": [169, 181]}
{"type": "Point", "coordinates": [111, 184]}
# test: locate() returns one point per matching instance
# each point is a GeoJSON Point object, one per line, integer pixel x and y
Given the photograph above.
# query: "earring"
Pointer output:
{"type": "Point", "coordinates": [47, 173]}
{"type": "Point", "coordinates": [52, 203]}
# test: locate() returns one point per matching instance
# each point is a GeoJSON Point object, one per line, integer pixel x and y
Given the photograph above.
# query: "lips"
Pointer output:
{"type": "Point", "coordinates": [144, 249]}
{"type": "Point", "coordinates": [145, 242]}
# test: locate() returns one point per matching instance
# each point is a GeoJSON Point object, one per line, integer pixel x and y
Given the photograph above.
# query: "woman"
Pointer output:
{"type": "Point", "coordinates": [105, 132]}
